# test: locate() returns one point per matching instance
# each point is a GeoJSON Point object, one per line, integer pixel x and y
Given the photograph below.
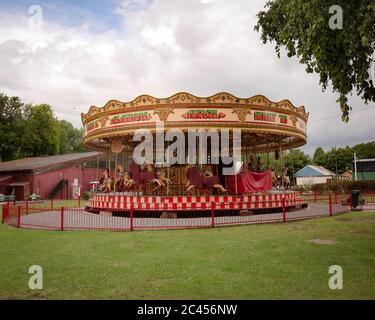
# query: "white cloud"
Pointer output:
{"type": "Point", "coordinates": [166, 46]}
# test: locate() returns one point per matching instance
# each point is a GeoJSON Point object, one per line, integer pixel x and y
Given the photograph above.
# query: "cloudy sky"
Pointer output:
{"type": "Point", "coordinates": [74, 54]}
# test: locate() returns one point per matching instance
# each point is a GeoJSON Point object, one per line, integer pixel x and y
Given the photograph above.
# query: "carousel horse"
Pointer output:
{"type": "Point", "coordinates": [195, 179]}
{"type": "Point", "coordinates": [285, 181]}
{"type": "Point", "coordinates": [119, 182]}
{"type": "Point", "coordinates": [106, 183]}
{"type": "Point", "coordinates": [147, 175]}
{"type": "Point", "coordinates": [275, 179]}
{"type": "Point", "coordinates": [244, 168]}
{"type": "Point", "coordinates": [166, 181]}
{"type": "Point", "coordinates": [128, 182]}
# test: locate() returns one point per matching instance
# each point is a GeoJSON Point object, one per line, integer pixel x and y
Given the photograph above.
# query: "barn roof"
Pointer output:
{"type": "Point", "coordinates": [28, 164]}
{"type": "Point", "coordinates": [314, 171]}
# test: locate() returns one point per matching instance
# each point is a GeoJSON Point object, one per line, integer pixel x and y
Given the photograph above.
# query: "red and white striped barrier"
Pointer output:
{"type": "Point", "coordinates": [263, 201]}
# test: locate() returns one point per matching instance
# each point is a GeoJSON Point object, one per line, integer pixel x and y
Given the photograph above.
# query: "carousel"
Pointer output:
{"type": "Point", "coordinates": [186, 153]}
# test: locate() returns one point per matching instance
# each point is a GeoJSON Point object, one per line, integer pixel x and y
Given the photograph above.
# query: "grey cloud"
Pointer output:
{"type": "Point", "coordinates": [167, 46]}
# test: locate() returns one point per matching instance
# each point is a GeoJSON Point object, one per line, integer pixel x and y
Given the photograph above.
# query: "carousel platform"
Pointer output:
{"type": "Point", "coordinates": [271, 201]}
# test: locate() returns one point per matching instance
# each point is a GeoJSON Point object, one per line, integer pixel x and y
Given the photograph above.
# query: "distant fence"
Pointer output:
{"type": "Point", "coordinates": [368, 201]}
{"type": "Point", "coordinates": [48, 215]}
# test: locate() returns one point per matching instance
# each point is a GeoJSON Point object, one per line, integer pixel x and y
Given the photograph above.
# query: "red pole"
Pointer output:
{"type": "Point", "coordinates": [62, 219]}
{"type": "Point", "coordinates": [19, 217]}
{"type": "Point", "coordinates": [79, 201]}
{"type": "Point", "coordinates": [212, 214]}
{"type": "Point", "coordinates": [330, 205]}
{"type": "Point", "coordinates": [27, 207]}
{"type": "Point", "coordinates": [5, 212]}
{"type": "Point", "coordinates": [283, 204]}
{"type": "Point", "coordinates": [131, 217]}
{"type": "Point", "coordinates": [8, 210]}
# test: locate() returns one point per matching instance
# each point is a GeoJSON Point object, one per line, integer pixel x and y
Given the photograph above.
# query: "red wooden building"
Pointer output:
{"type": "Point", "coordinates": [50, 176]}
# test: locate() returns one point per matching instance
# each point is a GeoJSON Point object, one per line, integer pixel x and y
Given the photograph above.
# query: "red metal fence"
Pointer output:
{"type": "Point", "coordinates": [368, 201]}
{"type": "Point", "coordinates": [48, 215]}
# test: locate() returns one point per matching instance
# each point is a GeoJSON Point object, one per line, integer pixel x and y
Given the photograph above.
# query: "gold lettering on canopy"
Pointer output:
{"type": "Point", "coordinates": [92, 126]}
{"type": "Point", "coordinates": [265, 116]}
{"type": "Point", "coordinates": [203, 114]}
{"type": "Point", "coordinates": [131, 117]}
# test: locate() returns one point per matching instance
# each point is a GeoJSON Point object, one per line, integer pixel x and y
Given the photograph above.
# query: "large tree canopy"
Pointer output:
{"type": "Point", "coordinates": [338, 160]}
{"type": "Point", "coordinates": [342, 57]}
{"type": "Point", "coordinates": [11, 127]}
{"type": "Point", "coordinates": [42, 131]}
{"type": "Point", "coordinates": [33, 130]}
{"type": "Point", "coordinates": [294, 160]}
{"type": "Point", "coordinates": [365, 150]}
{"type": "Point", "coordinates": [318, 154]}
{"type": "Point", "coordinates": [71, 139]}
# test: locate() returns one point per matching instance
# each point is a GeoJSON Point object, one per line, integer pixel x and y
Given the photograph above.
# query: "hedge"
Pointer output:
{"type": "Point", "coordinates": [344, 186]}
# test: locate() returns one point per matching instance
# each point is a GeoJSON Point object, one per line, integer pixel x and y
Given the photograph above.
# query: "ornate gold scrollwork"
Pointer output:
{"type": "Point", "coordinates": [103, 120]}
{"type": "Point", "coordinates": [163, 113]}
{"type": "Point", "coordinates": [293, 118]}
{"type": "Point", "coordinates": [242, 112]}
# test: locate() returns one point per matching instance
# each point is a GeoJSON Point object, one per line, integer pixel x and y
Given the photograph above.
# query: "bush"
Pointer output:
{"type": "Point", "coordinates": [364, 186]}
{"type": "Point", "coordinates": [86, 195]}
{"type": "Point", "coordinates": [319, 187]}
{"type": "Point", "coordinates": [344, 186]}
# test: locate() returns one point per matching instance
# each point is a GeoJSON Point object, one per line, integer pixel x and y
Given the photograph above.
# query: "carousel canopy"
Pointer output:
{"type": "Point", "coordinates": [265, 124]}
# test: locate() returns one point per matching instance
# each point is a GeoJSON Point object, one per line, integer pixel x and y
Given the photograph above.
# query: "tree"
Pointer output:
{"type": "Point", "coordinates": [11, 127]}
{"type": "Point", "coordinates": [41, 131]}
{"type": "Point", "coordinates": [365, 150]}
{"type": "Point", "coordinates": [342, 57]}
{"type": "Point", "coordinates": [337, 160]}
{"type": "Point", "coordinates": [33, 130]}
{"type": "Point", "coordinates": [70, 138]}
{"type": "Point", "coordinates": [295, 160]}
{"type": "Point", "coordinates": [318, 154]}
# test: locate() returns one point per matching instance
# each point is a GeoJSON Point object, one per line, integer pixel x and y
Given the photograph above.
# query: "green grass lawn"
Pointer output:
{"type": "Point", "coordinates": [63, 203]}
{"type": "Point", "coordinates": [269, 261]}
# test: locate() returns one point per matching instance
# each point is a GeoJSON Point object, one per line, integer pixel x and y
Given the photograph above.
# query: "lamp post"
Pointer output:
{"type": "Point", "coordinates": [355, 167]}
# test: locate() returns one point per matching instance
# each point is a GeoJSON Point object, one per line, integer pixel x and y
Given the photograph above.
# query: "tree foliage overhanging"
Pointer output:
{"type": "Point", "coordinates": [33, 130]}
{"type": "Point", "coordinates": [342, 57]}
